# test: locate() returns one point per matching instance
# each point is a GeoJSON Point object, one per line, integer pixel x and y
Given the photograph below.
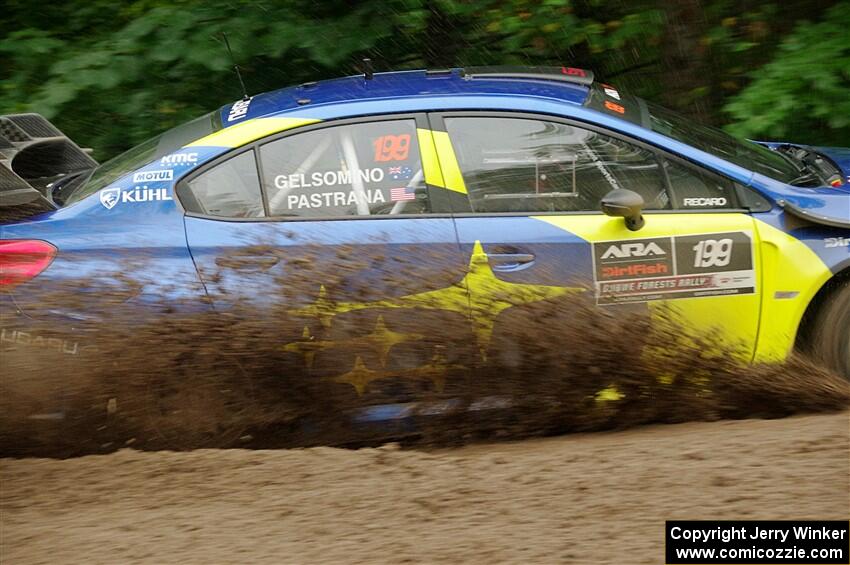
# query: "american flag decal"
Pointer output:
{"type": "Point", "coordinates": [401, 194]}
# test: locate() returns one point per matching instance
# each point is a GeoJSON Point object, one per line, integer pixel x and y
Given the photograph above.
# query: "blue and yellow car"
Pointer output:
{"type": "Point", "coordinates": [486, 188]}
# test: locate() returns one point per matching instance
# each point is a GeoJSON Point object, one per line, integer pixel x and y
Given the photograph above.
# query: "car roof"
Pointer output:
{"type": "Point", "coordinates": [404, 85]}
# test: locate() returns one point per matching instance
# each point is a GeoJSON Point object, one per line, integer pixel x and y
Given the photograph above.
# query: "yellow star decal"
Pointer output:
{"type": "Point", "coordinates": [435, 371]}
{"type": "Point", "coordinates": [480, 293]}
{"type": "Point", "coordinates": [359, 377]}
{"type": "Point", "coordinates": [308, 346]}
{"type": "Point", "coordinates": [381, 341]}
{"type": "Point", "coordinates": [490, 295]}
{"type": "Point", "coordinates": [322, 309]}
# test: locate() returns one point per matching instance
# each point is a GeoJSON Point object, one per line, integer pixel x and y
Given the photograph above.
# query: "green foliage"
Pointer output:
{"type": "Point", "coordinates": [112, 74]}
{"type": "Point", "coordinates": [804, 93]}
{"type": "Point", "coordinates": [154, 65]}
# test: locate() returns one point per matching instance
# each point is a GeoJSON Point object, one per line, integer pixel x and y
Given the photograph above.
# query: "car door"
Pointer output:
{"type": "Point", "coordinates": [534, 186]}
{"type": "Point", "coordinates": [332, 227]}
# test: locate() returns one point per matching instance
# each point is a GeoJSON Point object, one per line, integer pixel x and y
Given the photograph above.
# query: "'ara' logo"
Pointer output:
{"type": "Point", "coordinates": [636, 249]}
{"type": "Point", "coordinates": [109, 197]}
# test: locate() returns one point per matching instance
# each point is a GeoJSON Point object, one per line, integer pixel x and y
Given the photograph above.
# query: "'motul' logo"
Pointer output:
{"type": "Point", "coordinates": [109, 197]}
{"type": "Point", "coordinates": [153, 176]}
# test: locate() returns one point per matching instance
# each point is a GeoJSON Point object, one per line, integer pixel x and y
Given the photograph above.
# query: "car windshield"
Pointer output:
{"type": "Point", "coordinates": [744, 153]}
{"type": "Point", "coordinates": [143, 154]}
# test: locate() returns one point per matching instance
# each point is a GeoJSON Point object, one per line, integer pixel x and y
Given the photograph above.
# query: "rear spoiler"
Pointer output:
{"type": "Point", "coordinates": [33, 154]}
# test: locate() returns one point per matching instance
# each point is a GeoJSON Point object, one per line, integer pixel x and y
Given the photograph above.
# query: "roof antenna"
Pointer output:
{"type": "Point", "coordinates": [235, 67]}
{"type": "Point", "coordinates": [368, 71]}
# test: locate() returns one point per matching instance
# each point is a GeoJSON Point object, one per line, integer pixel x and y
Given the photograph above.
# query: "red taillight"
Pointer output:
{"type": "Point", "coordinates": [23, 259]}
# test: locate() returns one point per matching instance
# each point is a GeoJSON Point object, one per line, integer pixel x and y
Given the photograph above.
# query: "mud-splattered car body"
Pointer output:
{"type": "Point", "coordinates": [483, 188]}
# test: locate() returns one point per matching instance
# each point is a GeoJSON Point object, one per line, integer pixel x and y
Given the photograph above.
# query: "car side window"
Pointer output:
{"type": "Point", "coordinates": [693, 189]}
{"type": "Point", "coordinates": [229, 189]}
{"type": "Point", "coordinates": [359, 169]}
{"type": "Point", "coordinates": [530, 165]}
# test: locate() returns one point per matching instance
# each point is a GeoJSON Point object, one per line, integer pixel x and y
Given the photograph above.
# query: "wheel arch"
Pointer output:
{"type": "Point", "coordinates": [805, 331]}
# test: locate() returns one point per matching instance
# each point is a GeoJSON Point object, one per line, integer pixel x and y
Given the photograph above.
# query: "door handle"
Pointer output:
{"type": "Point", "coordinates": [248, 262]}
{"type": "Point", "coordinates": [510, 261]}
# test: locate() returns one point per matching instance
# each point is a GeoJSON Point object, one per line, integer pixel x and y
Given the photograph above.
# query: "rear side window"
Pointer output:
{"type": "Point", "coordinates": [229, 189]}
{"type": "Point", "coordinates": [528, 165]}
{"type": "Point", "coordinates": [146, 152]}
{"type": "Point", "coordinates": [348, 170]}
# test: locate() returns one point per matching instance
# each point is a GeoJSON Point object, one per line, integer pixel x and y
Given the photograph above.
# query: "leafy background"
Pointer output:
{"type": "Point", "coordinates": [111, 74]}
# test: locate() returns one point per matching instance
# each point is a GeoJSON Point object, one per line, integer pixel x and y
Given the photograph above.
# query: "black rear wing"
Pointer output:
{"type": "Point", "coordinates": [34, 154]}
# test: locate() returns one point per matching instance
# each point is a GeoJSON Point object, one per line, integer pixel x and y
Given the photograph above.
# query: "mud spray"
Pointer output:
{"type": "Point", "coordinates": [298, 367]}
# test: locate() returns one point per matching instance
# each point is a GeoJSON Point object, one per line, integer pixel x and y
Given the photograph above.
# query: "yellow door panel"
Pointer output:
{"type": "Point", "coordinates": [702, 307]}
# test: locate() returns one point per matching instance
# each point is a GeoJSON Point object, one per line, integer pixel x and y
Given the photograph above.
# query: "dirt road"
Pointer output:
{"type": "Point", "coordinates": [599, 498]}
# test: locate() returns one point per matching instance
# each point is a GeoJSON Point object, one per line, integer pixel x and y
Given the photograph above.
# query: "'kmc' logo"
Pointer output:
{"type": "Point", "coordinates": [179, 159]}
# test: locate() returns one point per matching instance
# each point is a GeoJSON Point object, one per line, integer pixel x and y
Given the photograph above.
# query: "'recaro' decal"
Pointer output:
{"type": "Point", "coordinates": [641, 270]}
{"type": "Point", "coordinates": [718, 202]}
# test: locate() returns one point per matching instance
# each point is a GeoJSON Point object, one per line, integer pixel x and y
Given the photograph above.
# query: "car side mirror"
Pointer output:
{"type": "Point", "coordinates": [626, 204]}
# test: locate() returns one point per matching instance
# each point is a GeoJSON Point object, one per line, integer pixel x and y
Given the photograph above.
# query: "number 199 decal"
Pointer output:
{"type": "Point", "coordinates": [713, 252]}
{"type": "Point", "coordinates": [673, 267]}
{"type": "Point", "coordinates": [392, 147]}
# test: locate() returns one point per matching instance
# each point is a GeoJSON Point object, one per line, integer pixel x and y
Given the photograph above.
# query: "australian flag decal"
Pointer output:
{"type": "Point", "coordinates": [399, 173]}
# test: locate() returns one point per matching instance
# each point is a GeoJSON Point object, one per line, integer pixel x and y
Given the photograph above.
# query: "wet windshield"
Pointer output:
{"type": "Point", "coordinates": [143, 154]}
{"type": "Point", "coordinates": [744, 153]}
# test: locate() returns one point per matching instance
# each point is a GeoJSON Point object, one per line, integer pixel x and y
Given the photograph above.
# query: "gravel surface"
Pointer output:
{"type": "Point", "coordinates": [589, 498]}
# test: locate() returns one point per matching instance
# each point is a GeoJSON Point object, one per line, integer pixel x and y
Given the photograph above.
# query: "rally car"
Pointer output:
{"type": "Point", "coordinates": [520, 183]}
